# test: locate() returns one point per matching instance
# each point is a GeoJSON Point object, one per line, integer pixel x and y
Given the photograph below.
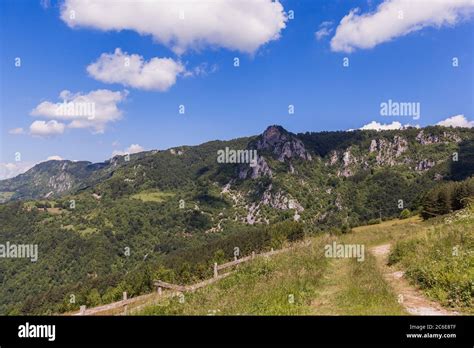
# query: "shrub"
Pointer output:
{"type": "Point", "coordinates": [374, 221]}
{"type": "Point", "coordinates": [405, 214]}
{"type": "Point", "coordinates": [401, 250]}
{"type": "Point", "coordinates": [440, 263]}
{"type": "Point", "coordinates": [346, 229]}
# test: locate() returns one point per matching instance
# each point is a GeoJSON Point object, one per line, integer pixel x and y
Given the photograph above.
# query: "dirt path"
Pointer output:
{"type": "Point", "coordinates": [332, 284]}
{"type": "Point", "coordinates": [411, 298]}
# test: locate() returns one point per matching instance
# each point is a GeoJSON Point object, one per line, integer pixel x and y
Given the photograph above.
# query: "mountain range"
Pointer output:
{"type": "Point", "coordinates": [104, 228]}
{"type": "Point", "coordinates": [287, 167]}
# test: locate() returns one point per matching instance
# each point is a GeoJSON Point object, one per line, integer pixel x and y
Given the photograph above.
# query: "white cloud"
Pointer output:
{"type": "Point", "coordinates": [93, 110]}
{"type": "Point", "coordinates": [132, 70]}
{"type": "Point", "coordinates": [394, 18]}
{"type": "Point", "coordinates": [16, 131]}
{"type": "Point", "coordinates": [43, 128]}
{"type": "Point", "coordinates": [454, 121]}
{"type": "Point", "coordinates": [54, 158]}
{"type": "Point", "coordinates": [184, 24]}
{"type": "Point", "coordinates": [380, 126]}
{"type": "Point", "coordinates": [325, 29]}
{"type": "Point", "coordinates": [457, 121]}
{"type": "Point", "coordinates": [134, 148]}
{"type": "Point", "coordinates": [12, 169]}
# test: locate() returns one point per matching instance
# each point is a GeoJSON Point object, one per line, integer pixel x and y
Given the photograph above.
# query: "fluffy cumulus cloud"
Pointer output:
{"type": "Point", "coordinates": [184, 24]}
{"type": "Point", "coordinates": [134, 148]}
{"type": "Point", "coordinates": [380, 126]}
{"type": "Point", "coordinates": [93, 110]}
{"type": "Point", "coordinates": [457, 121]}
{"type": "Point", "coordinates": [44, 129]}
{"type": "Point", "coordinates": [395, 18]}
{"type": "Point", "coordinates": [132, 70]}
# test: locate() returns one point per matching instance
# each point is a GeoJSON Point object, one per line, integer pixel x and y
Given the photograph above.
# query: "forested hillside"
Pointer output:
{"type": "Point", "coordinates": [116, 226]}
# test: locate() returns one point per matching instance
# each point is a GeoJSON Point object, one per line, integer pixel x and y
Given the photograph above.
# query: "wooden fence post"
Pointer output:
{"type": "Point", "coordinates": [125, 307]}
{"type": "Point", "coordinates": [253, 255]}
{"type": "Point", "coordinates": [215, 270]}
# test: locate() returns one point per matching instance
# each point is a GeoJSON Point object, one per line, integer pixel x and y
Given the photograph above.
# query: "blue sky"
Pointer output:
{"type": "Point", "coordinates": [293, 67]}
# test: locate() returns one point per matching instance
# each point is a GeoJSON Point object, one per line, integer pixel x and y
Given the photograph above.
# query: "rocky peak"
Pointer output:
{"type": "Point", "coordinates": [277, 143]}
{"type": "Point", "coordinates": [283, 144]}
{"type": "Point", "coordinates": [272, 136]}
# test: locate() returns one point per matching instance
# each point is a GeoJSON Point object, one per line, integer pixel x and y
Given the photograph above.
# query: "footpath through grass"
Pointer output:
{"type": "Point", "coordinates": [305, 282]}
{"type": "Point", "coordinates": [299, 282]}
{"type": "Point", "coordinates": [356, 288]}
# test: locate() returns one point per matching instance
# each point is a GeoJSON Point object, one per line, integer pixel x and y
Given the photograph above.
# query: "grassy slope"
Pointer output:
{"type": "Point", "coordinates": [439, 259]}
{"type": "Point", "coordinates": [282, 285]}
{"type": "Point", "coordinates": [317, 285]}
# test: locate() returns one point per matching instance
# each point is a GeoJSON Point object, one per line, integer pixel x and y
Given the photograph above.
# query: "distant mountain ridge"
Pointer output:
{"type": "Point", "coordinates": [55, 178]}
{"type": "Point", "coordinates": [346, 151]}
